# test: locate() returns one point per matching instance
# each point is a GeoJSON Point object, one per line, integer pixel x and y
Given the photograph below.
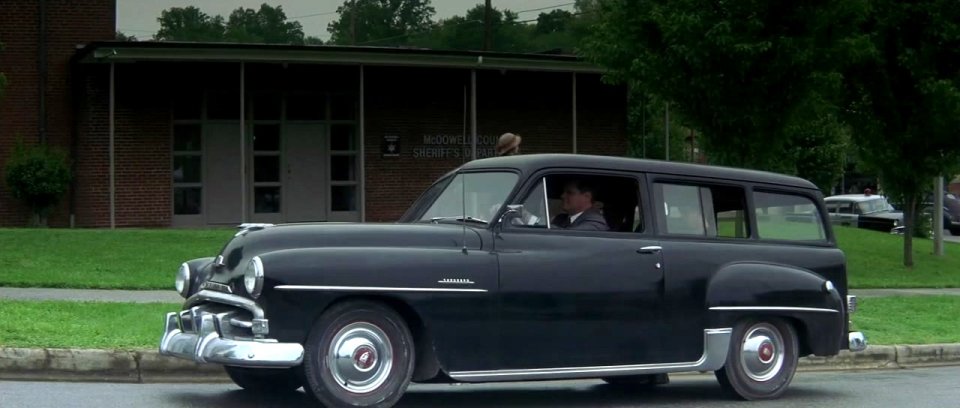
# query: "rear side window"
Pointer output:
{"type": "Point", "coordinates": [787, 217]}
{"type": "Point", "coordinates": [708, 211]}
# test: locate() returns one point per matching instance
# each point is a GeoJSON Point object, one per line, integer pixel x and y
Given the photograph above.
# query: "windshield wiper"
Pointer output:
{"type": "Point", "coordinates": [460, 218]}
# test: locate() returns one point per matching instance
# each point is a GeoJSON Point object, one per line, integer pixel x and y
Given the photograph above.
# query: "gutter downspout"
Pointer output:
{"type": "Point", "coordinates": [42, 70]}
{"type": "Point", "coordinates": [113, 210]}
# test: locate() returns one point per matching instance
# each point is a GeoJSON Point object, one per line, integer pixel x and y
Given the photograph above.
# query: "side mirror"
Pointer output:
{"type": "Point", "coordinates": [513, 211]}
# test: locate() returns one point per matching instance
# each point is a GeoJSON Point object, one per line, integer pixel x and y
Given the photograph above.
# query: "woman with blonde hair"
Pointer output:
{"type": "Point", "coordinates": [508, 144]}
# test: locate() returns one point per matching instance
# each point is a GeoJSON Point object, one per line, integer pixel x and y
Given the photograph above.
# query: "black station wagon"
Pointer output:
{"type": "Point", "coordinates": [530, 267]}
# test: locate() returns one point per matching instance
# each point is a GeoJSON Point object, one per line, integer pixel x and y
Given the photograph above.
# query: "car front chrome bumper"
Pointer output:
{"type": "Point", "coordinates": [207, 345]}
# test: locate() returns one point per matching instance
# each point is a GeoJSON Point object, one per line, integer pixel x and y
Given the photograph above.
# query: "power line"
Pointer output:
{"type": "Point", "coordinates": [546, 8]}
{"type": "Point", "coordinates": [313, 15]}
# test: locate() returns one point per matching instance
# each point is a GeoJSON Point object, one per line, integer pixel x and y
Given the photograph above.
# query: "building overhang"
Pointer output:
{"type": "Point", "coordinates": [129, 52]}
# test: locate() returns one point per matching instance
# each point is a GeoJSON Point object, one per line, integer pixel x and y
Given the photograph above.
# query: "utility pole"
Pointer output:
{"type": "Point", "coordinates": [486, 27]}
{"type": "Point", "coordinates": [938, 216]}
{"type": "Point", "coordinates": [353, 23]}
{"type": "Point", "coordinates": [666, 135]}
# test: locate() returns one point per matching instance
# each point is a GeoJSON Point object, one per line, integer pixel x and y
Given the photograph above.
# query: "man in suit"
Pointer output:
{"type": "Point", "coordinates": [580, 213]}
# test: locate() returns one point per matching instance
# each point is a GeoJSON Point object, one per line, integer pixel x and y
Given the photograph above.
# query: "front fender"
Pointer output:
{"type": "Point", "coordinates": [450, 290]}
{"type": "Point", "coordinates": [743, 290]}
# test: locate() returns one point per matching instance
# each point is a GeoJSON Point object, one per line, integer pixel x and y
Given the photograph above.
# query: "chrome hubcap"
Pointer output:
{"type": "Point", "coordinates": [360, 357]}
{"type": "Point", "coordinates": [762, 352]}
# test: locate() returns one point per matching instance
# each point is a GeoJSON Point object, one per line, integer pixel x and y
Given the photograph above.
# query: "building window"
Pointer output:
{"type": "Point", "coordinates": [344, 167]}
{"type": "Point", "coordinates": [266, 168]}
{"type": "Point", "coordinates": [187, 169]}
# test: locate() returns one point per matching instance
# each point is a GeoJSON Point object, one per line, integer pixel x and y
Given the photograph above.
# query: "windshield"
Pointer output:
{"type": "Point", "coordinates": [478, 196]}
{"type": "Point", "coordinates": [872, 206]}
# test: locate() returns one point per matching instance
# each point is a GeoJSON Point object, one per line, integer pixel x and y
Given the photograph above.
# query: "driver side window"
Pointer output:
{"type": "Point", "coordinates": [587, 202]}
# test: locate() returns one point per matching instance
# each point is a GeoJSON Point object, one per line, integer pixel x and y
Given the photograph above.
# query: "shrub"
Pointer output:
{"type": "Point", "coordinates": [38, 176]}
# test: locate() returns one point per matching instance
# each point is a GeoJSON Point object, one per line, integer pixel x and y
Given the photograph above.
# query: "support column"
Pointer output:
{"type": "Point", "coordinates": [473, 114]}
{"type": "Point", "coordinates": [574, 113]}
{"type": "Point", "coordinates": [243, 145]}
{"type": "Point", "coordinates": [363, 138]}
{"type": "Point", "coordinates": [113, 210]}
{"type": "Point", "coordinates": [938, 216]}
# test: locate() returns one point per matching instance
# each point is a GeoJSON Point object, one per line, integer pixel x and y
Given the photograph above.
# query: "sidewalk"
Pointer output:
{"type": "Point", "coordinates": [94, 295]}
{"type": "Point", "coordinates": [170, 296]}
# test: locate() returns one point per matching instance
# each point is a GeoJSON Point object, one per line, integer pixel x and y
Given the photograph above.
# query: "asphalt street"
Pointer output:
{"type": "Point", "coordinates": [927, 387]}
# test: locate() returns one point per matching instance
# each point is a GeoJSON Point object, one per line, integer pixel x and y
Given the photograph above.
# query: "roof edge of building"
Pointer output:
{"type": "Point", "coordinates": [124, 51]}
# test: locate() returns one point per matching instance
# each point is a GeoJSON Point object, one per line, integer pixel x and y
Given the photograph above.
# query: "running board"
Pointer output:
{"type": "Point", "coordinates": [716, 343]}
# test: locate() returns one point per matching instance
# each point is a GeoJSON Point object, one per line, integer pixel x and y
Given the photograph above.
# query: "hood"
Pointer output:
{"type": "Point", "coordinates": [247, 244]}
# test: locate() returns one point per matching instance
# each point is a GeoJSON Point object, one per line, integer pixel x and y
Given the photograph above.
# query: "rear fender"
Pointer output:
{"type": "Point", "coordinates": [804, 298]}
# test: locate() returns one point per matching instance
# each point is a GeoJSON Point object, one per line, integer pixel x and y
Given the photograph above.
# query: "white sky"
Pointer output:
{"type": "Point", "coordinates": [139, 17]}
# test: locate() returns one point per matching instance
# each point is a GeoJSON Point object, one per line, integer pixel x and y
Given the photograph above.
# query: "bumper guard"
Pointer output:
{"type": "Point", "coordinates": [206, 344]}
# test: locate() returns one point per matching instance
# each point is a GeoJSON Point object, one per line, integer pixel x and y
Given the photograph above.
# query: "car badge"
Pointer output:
{"type": "Point", "coordinates": [457, 281]}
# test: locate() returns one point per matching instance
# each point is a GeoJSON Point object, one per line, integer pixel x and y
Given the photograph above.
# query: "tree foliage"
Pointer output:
{"type": "Point", "coordinates": [189, 24]}
{"type": "Point", "coordinates": [738, 71]}
{"type": "Point", "coordinates": [267, 25]}
{"type": "Point", "coordinates": [380, 22]}
{"type": "Point", "coordinates": [904, 99]}
{"type": "Point", "coordinates": [38, 175]}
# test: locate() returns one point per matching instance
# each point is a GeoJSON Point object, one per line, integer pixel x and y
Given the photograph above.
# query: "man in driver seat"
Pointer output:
{"type": "Point", "coordinates": [580, 213]}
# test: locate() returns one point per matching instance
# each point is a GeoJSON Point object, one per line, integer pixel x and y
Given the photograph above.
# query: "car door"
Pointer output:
{"type": "Point", "coordinates": [578, 298]}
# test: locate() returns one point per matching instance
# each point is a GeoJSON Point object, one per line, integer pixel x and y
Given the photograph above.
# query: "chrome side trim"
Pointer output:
{"type": "Point", "coordinates": [225, 298]}
{"type": "Point", "coordinates": [775, 309]}
{"type": "Point", "coordinates": [371, 289]}
{"type": "Point", "coordinates": [715, 347]}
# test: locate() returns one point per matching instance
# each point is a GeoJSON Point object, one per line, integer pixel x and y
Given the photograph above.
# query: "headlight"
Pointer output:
{"type": "Point", "coordinates": [253, 277]}
{"type": "Point", "coordinates": [182, 283]}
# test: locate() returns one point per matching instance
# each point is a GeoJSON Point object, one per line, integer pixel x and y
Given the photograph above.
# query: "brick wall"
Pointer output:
{"type": "Point", "coordinates": [142, 152]}
{"type": "Point", "coordinates": [412, 103]}
{"type": "Point", "coordinates": [68, 23]}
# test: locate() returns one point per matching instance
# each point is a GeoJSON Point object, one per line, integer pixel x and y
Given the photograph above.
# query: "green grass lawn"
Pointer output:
{"type": "Point", "coordinates": [875, 260]}
{"type": "Point", "coordinates": [909, 319]}
{"type": "Point", "coordinates": [887, 320]}
{"type": "Point", "coordinates": [148, 259]}
{"type": "Point", "coordinates": [100, 258]}
{"type": "Point", "coordinates": [124, 326]}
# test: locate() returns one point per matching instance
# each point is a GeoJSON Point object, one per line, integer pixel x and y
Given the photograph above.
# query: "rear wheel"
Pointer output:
{"type": "Point", "coordinates": [265, 380]}
{"type": "Point", "coordinates": [762, 359]}
{"type": "Point", "coordinates": [358, 354]}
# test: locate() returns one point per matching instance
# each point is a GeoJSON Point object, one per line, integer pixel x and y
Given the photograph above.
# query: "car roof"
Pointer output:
{"type": "Point", "coordinates": [854, 197]}
{"type": "Point", "coordinates": [529, 163]}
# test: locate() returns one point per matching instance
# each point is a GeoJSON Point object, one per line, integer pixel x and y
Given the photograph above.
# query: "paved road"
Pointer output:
{"type": "Point", "coordinates": [930, 387]}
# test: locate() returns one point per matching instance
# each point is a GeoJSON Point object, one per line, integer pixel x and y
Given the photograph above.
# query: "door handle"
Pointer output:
{"type": "Point", "coordinates": [649, 250]}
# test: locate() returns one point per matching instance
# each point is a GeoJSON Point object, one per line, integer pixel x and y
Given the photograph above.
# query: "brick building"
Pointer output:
{"type": "Point", "coordinates": [190, 134]}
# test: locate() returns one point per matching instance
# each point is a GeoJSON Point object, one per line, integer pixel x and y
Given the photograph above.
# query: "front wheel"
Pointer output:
{"type": "Point", "coordinates": [761, 361]}
{"type": "Point", "coordinates": [358, 354]}
{"type": "Point", "coordinates": [265, 380]}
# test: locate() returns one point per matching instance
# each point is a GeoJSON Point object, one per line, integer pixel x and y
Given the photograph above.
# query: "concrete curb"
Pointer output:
{"type": "Point", "coordinates": [147, 366]}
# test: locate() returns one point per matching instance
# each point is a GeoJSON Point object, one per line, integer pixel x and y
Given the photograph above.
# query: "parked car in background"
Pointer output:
{"type": "Point", "coordinates": [951, 212]}
{"type": "Point", "coordinates": [683, 268]}
{"type": "Point", "coordinates": [869, 211]}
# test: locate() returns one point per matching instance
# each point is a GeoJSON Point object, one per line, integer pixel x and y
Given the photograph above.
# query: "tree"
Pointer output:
{"type": "Point", "coordinates": [467, 32]}
{"type": "Point", "coordinates": [737, 71]}
{"type": "Point", "coordinates": [267, 25]}
{"type": "Point", "coordinates": [120, 36]}
{"type": "Point", "coordinates": [380, 22]}
{"type": "Point", "coordinates": [904, 100]}
{"type": "Point", "coordinates": [39, 176]}
{"type": "Point", "coordinates": [189, 24]}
